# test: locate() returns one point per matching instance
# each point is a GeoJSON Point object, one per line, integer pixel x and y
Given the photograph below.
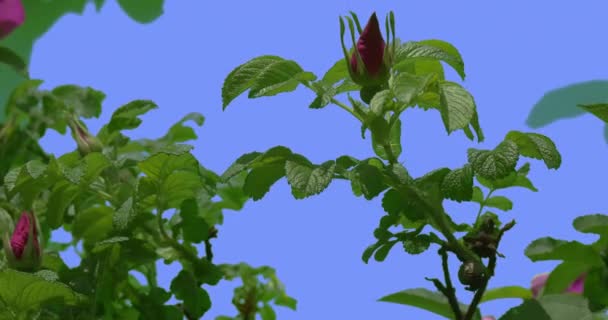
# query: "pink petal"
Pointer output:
{"type": "Point", "coordinates": [578, 285]}
{"type": "Point", "coordinates": [538, 282]}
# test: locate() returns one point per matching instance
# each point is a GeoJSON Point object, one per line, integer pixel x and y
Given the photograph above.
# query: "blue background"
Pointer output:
{"type": "Point", "coordinates": [513, 54]}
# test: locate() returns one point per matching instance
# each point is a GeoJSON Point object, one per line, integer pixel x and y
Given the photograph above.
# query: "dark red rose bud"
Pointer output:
{"type": "Point", "coordinates": [370, 47]}
{"type": "Point", "coordinates": [369, 61]}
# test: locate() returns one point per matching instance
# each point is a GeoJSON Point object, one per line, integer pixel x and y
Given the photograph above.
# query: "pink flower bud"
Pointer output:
{"type": "Point", "coordinates": [23, 250]}
{"type": "Point", "coordinates": [12, 16]}
{"type": "Point", "coordinates": [488, 318]}
{"type": "Point", "coordinates": [539, 281]}
{"type": "Point", "coordinates": [370, 47]}
{"type": "Point", "coordinates": [368, 62]}
{"type": "Point", "coordinates": [86, 142]}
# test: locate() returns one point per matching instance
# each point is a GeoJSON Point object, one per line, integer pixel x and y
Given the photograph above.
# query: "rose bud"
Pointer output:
{"type": "Point", "coordinates": [12, 16]}
{"type": "Point", "coordinates": [86, 142]}
{"type": "Point", "coordinates": [369, 62]}
{"type": "Point", "coordinates": [539, 281]}
{"type": "Point", "coordinates": [23, 250]}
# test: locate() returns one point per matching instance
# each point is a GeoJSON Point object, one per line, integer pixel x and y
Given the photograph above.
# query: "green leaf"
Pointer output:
{"type": "Point", "coordinates": [417, 245]}
{"type": "Point", "coordinates": [514, 179]}
{"type": "Point", "coordinates": [24, 291]}
{"type": "Point", "coordinates": [383, 251]}
{"type": "Point", "coordinates": [494, 164]}
{"type": "Point", "coordinates": [424, 299]}
{"type": "Point", "coordinates": [124, 215]}
{"type": "Point", "coordinates": [306, 179]}
{"type": "Point", "coordinates": [455, 62]}
{"type": "Point", "coordinates": [93, 224]}
{"type": "Point", "coordinates": [177, 175]}
{"type": "Point", "coordinates": [592, 223]}
{"type": "Point", "coordinates": [596, 285]}
{"type": "Point", "coordinates": [369, 251]}
{"type": "Point", "coordinates": [13, 60]}
{"type": "Point", "coordinates": [499, 202]}
{"type": "Point", "coordinates": [423, 67]}
{"type": "Point", "coordinates": [338, 72]}
{"type": "Point", "coordinates": [142, 12]}
{"type": "Point", "coordinates": [85, 101]}
{"type": "Point", "coordinates": [529, 309]}
{"type": "Point", "coordinates": [127, 116]}
{"type": "Point", "coordinates": [508, 292]}
{"type": "Point", "coordinates": [267, 313]}
{"type": "Point", "coordinates": [381, 102]}
{"type": "Point", "coordinates": [62, 195]}
{"type": "Point", "coordinates": [430, 49]}
{"type": "Point", "coordinates": [367, 178]}
{"type": "Point", "coordinates": [457, 106]}
{"type": "Point", "coordinates": [599, 110]}
{"type": "Point", "coordinates": [265, 76]}
{"type": "Point", "coordinates": [241, 164]}
{"type": "Point", "coordinates": [548, 248]}
{"type": "Point", "coordinates": [457, 184]}
{"type": "Point", "coordinates": [394, 142]}
{"type": "Point", "coordinates": [196, 300]}
{"type": "Point", "coordinates": [563, 275]}
{"type": "Point", "coordinates": [181, 133]}
{"type": "Point", "coordinates": [259, 180]}
{"type": "Point", "coordinates": [194, 227]}
{"type": "Point", "coordinates": [566, 307]}
{"type": "Point", "coordinates": [536, 146]}
{"type": "Point", "coordinates": [407, 87]}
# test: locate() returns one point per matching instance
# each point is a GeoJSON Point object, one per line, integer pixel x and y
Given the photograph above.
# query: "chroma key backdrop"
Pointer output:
{"type": "Point", "coordinates": [303, 160]}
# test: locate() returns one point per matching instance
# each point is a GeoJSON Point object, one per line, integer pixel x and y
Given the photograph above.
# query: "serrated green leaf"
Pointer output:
{"type": "Point", "coordinates": [417, 245]}
{"type": "Point", "coordinates": [430, 49]}
{"type": "Point", "coordinates": [265, 76]}
{"type": "Point", "coordinates": [85, 101]}
{"type": "Point", "coordinates": [456, 60]}
{"type": "Point", "coordinates": [124, 215]}
{"type": "Point", "coordinates": [127, 116]}
{"type": "Point", "coordinates": [457, 184]}
{"type": "Point", "coordinates": [306, 179]}
{"type": "Point", "coordinates": [536, 146]}
{"type": "Point", "coordinates": [494, 164]}
{"type": "Point", "coordinates": [457, 106]}
{"type": "Point", "coordinates": [406, 87]}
